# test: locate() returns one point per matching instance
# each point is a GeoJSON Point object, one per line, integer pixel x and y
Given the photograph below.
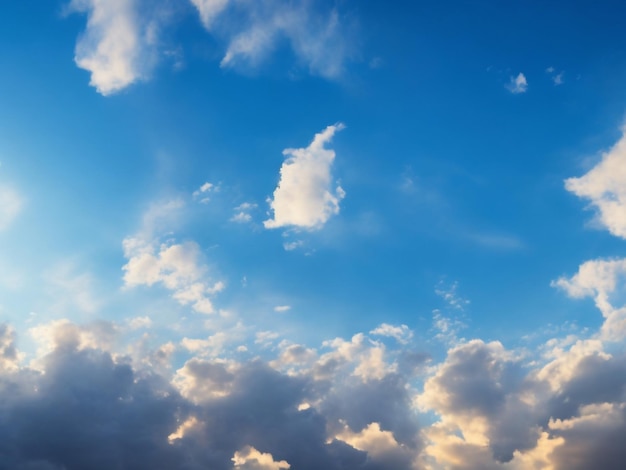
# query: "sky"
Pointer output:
{"type": "Point", "coordinates": [263, 235]}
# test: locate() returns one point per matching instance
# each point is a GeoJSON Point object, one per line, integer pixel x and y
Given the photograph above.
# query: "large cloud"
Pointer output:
{"type": "Point", "coordinates": [82, 405]}
{"type": "Point", "coordinates": [304, 197]}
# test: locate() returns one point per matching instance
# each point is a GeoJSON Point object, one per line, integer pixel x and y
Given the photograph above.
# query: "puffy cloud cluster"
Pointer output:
{"type": "Point", "coordinates": [304, 197]}
{"type": "Point", "coordinates": [81, 404]}
{"type": "Point", "coordinates": [92, 400]}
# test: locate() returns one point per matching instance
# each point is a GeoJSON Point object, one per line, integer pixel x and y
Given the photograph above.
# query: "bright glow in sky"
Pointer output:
{"type": "Point", "coordinates": [334, 234]}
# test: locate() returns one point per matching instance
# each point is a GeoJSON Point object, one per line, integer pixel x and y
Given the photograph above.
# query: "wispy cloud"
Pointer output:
{"type": "Point", "coordinates": [253, 29]}
{"type": "Point", "coordinates": [11, 204]}
{"type": "Point", "coordinates": [304, 197]}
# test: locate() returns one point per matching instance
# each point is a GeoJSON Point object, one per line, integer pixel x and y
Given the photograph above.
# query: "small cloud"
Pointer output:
{"type": "Point", "coordinates": [401, 333]}
{"type": "Point", "coordinates": [201, 194]}
{"type": "Point", "coordinates": [304, 197]}
{"type": "Point", "coordinates": [517, 84]}
{"type": "Point", "coordinates": [242, 213]}
{"type": "Point", "coordinates": [557, 78]}
{"type": "Point", "coordinates": [450, 295]}
{"type": "Point", "coordinates": [138, 323]}
{"type": "Point", "coordinates": [291, 246]}
{"type": "Point", "coordinates": [282, 308]}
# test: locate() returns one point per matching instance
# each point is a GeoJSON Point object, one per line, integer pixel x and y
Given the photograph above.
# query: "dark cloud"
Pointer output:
{"type": "Point", "coordinates": [85, 408]}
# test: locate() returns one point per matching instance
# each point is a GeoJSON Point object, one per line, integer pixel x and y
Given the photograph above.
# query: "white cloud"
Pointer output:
{"type": "Point", "coordinates": [605, 187]}
{"type": "Point", "coordinates": [517, 84]}
{"type": "Point", "coordinates": [118, 45]}
{"type": "Point", "coordinates": [253, 29]}
{"type": "Point", "coordinates": [603, 280]}
{"type": "Point", "coordinates": [10, 206]}
{"type": "Point", "coordinates": [138, 323]}
{"type": "Point", "coordinates": [242, 213]}
{"type": "Point", "coordinates": [176, 266]}
{"type": "Point", "coordinates": [303, 197]}
{"type": "Point", "coordinates": [251, 459]}
{"type": "Point", "coordinates": [401, 333]}
{"type": "Point", "coordinates": [282, 308]}
{"type": "Point", "coordinates": [209, 10]}
{"type": "Point", "coordinates": [558, 79]}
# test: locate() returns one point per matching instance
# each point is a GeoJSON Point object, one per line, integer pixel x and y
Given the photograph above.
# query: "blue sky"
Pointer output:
{"type": "Point", "coordinates": [347, 202]}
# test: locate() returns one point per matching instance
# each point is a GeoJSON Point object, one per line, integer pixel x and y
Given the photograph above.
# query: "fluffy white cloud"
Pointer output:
{"type": "Point", "coordinates": [605, 187]}
{"type": "Point", "coordinates": [10, 206]}
{"type": "Point", "coordinates": [604, 280]}
{"type": "Point", "coordinates": [176, 266]}
{"type": "Point", "coordinates": [517, 84]}
{"type": "Point", "coordinates": [118, 45]}
{"type": "Point", "coordinates": [304, 197]}
{"type": "Point", "coordinates": [251, 459]}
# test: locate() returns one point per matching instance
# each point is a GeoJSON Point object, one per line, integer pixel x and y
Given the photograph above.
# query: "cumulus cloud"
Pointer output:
{"type": "Point", "coordinates": [252, 30]}
{"type": "Point", "coordinates": [118, 46]}
{"type": "Point", "coordinates": [604, 186]}
{"type": "Point", "coordinates": [251, 459]}
{"type": "Point", "coordinates": [304, 197]}
{"type": "Point", "coordinates": [517, 84]}
{"type": "Point", "coordinates": [178, 267]}
{"type": "Point", "coordinates": [605, 281]}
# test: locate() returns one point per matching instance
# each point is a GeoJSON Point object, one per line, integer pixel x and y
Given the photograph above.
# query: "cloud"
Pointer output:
{"type": "Point", "coordinates": [209, 10]}
{"type": "Point", "coordinates": [178, 267]}
{"type": "Point", "coordinates": [304, 197]}
{"type": "Point", "coordinates": [604, 281]}
{"type": "Point", "coordinates": [517, 84]}
{"type": "Point", "coordinates": [558, 79]}
{"type": "Point", "coordinates": [253, 30]}
{"type": "Point", "coordinates": [401, 333]}
{"type": "Point", "coordinates": [202, 193]}
{"type": "Point", "coordinates": [11, 205]}
{"type": "Point", "coordinates": [118, 46]}
{"type": "Point", "coordinates": [251, 459]}
{"type": "Point", "coordinates": [604, 186]}
{"type": "Point", "coordinates": [282, 308]}
{"type": "Point", "coordinates": [242, 213]}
